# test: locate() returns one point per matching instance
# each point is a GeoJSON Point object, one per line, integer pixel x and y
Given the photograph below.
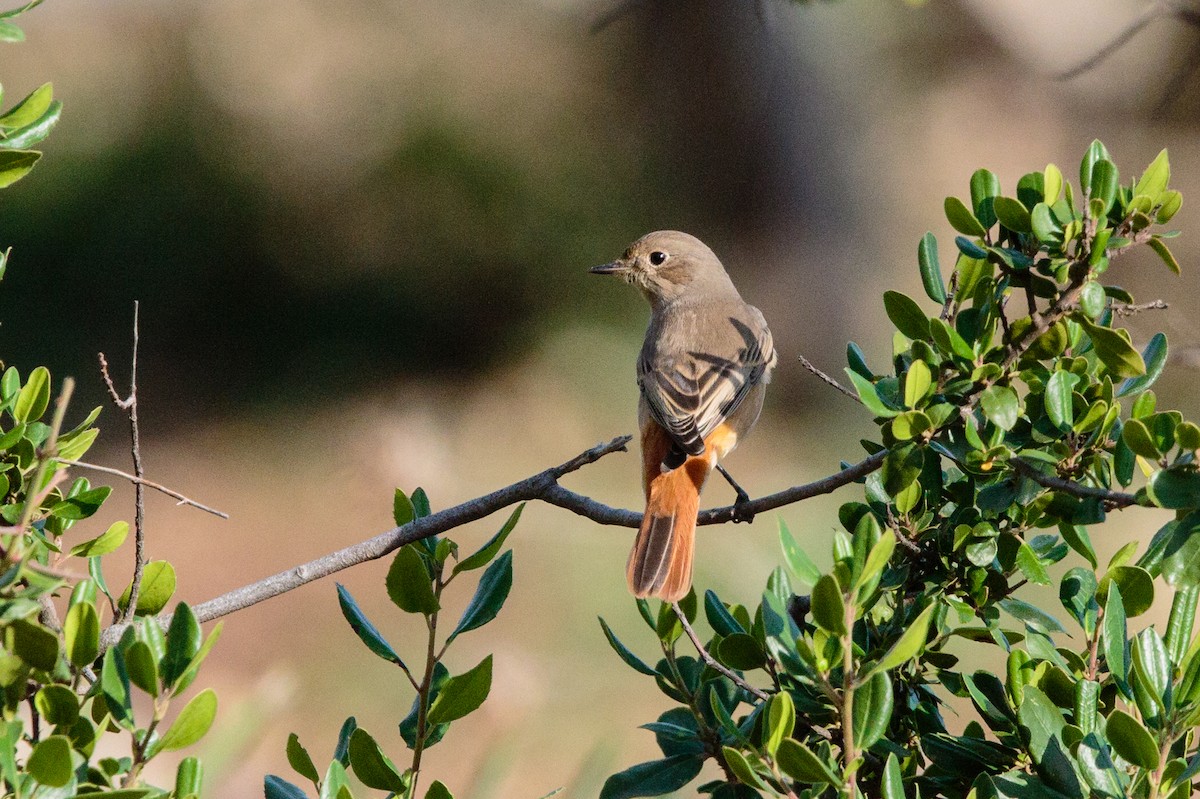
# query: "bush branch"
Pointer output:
{"type": "Point", "coordinates": [148, 483]}
{"type": "Point", "coordinates": [130, 406]}
{"type": "Point", "coordinates": [1117, 499]}
{"type": "Point", "coordinates": [542, 486]}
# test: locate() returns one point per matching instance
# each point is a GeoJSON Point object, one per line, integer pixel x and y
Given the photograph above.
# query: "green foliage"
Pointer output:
{"type": "Point", "coordinates": [418, 576]}
{"type": "Point", "coordinates": [1012, 418]}
{"type": "Point", "coordinates": [25, 123]}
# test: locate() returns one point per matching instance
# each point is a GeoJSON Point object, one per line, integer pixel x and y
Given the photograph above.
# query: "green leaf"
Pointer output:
{"type": "Point", "coordinates": [156, 590]}
{"type": "Point", "coordinates": [114, 685]}
{"type": "Point", "coordinates": [489, 596]}
{"type": "Point", "coordinates": [1058, 399]}
{"type": "Point", "coordinates": [1052, 184]}
{"type": "Point", "coordinates": [877, 559]}
{"type": "Point", "coordinates": [741, 651]}
{"type": "Point", "coordinates": [906, 315]}
{"type": "Point", "coordinates": [439, 791]}
{"type": "Point", "coordinates": [182, 643]}
{"type": "Point", "coordinates": [1131, 740]}
{"type": "Point", "coordinates": [462, 694]}
{"type": "Point", "coordinates": [1171, 202]}
{"type": "Point", "coordinates": [279, 788]}
{"type": "Point", "coordinates": [801, 763]}
{"type": "Point", "coordinates": [1105, 182]}
{"type": "Point", "coordinates": [654, 778]}
{"type": "Point", "coordinates": [1155, 358]}
{"type": "Point", "coordinates": [869, 395]}
{"type": "Point", "coordinates": [189, 674]}
{"type": "Point", "coordinates": [34, 132]}
{"type": "Point", "coordinates": [781, 720]}
{"type": "Point", "coordinates": [796, 558]}
{"type": "Point", "coordinates": [901, 467]}
{"type": "Point", "coordinates": [82, 505]}
{"type": "Point", "coordinates": [1031, 566]}
{"type": "Point", "coordinates": [108, 541]}
{"type": "Point", "coordinates": [1113, 636]}
{"type": "Point", "coordinates": [409, 584]}
{"type": "Point", "coordinates": [30, 109]}
{"type": "Point", "coordinates": [34, 644]}
{"type": "Point", "coordinates": [57, 704]}
{"type": "Point", "coordinates": [50, 762]}
{"type": "Point", "coordinates": [1177, 487]}
{"type": "Point", "coordinates": [1001, 406]}
{"type": "Point", "coordinates": [984, 187]}
{"type": "Point", "coordinates": [1012, 214]}
{"type": "Point", "coordinates": [1117, 354]}
{"type": "Point", "coordinates": [962, 219]}
{"type": "Point", "coordinates": [402, 509]}
{"type": "Point", "coordinates": [372, 766]}
{"type": "Point", "coordinates": [1164, 254]}
{"type": "Point", "coordinates": [192, 722]}
{"type": "Point", "coordinates": [828, 606]}
{"type": "Point", "coordinates": [35, 394]}
{"type": "Point", "coordinates": [632, 660]}
{"type": "Point", "coordinates": [15, 164]}
{"type": "Point", "coordinates": [363, 628]}
{"type": "Point", "coordinates": [741, 768]}
{"type": "Point", "coordinates": [1137, 437]}
{"type": "Point", "coordinates": [931, 270]}
{"type": "Point", "coordinates": [1154, 180]}
{"type": "Point", "coordinates": [484, 554]}
{"type": "Point", "coordinates": [300, 760]}
{"type": "Point", "coordinates": [1096, 151]}
{"type": "Point", "coordinates": [143, 671]}
{"type": "Point", "coordinates": [1137, 588]}
{"type": "Point", "coordinates": [917, 381]}
{"type": "Point", "coordinates": [81, 632]}
{"type": "Point", "coordinates": [872, 709]}
{"type": "Point", "coordinates": [908, 645]}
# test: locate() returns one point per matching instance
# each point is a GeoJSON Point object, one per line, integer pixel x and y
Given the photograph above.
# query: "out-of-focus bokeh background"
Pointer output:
{"type": "Point", "coordinates": [359, 233]}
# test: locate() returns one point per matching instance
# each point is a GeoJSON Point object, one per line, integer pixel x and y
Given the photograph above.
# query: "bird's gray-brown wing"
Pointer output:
{"type": "Point", "coordinates": [690, 392]}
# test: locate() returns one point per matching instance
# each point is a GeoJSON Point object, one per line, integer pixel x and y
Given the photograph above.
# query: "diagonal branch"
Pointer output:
{"type": "Point", "coordinates": [542, 486]}
{"type": "Point", "coordinates": [1118, 499]}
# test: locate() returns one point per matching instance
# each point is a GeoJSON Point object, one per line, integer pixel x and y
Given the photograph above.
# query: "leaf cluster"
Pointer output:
{"type": "Point", "coordinates": [1014, 418]}
{"type": "Point", "coordinates": [74, 693]}
{"type": "Point", "coordinates": [418, 576]}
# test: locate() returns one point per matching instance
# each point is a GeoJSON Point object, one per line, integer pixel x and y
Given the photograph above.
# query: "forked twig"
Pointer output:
{"type": "Point", "coordinates": [170, 492]}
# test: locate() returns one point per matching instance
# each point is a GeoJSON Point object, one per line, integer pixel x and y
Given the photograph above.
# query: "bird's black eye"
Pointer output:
{"type": "Point", "coordinates": [658, 257]}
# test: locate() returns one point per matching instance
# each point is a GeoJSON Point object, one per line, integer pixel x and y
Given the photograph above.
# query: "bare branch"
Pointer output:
{"type": "Point", "coordinates": [1125, 309]}
{"type": "Point", "coordinates": [130, 406]}
{"type": "Point", "coordinates": [812, 368]}
{"type": "Point", "coordinates": [542, 486]}
{"type": "Point", "coordinates": [142, 481]}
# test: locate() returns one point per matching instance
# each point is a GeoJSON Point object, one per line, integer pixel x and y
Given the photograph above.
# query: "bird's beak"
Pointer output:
{"type": "Point", "coordinates": [608, 269]}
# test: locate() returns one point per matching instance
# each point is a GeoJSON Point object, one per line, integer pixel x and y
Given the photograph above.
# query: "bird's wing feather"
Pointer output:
{"type": "Point", "coordinates": [690, 395]}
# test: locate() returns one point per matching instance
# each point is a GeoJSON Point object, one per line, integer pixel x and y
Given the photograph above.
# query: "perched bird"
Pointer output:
{"type": "Point", "coordinates": [702, 373]}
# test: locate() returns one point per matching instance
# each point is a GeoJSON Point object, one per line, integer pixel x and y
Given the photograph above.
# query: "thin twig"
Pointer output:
{"type": "Point", "coordinates": [148, 483]}
{"type": "Point", "coordinates": [709, 660]}
{"type": "Point", "coordinates": [129, 404]}
{"type": "Point", "coordinates": [1126, 309]}
{"type": "Point", "coordinates": [812, 368]}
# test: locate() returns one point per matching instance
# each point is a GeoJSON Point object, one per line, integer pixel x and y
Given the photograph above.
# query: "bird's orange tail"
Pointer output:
{"type": "Point", "coordinates": [660, 564]}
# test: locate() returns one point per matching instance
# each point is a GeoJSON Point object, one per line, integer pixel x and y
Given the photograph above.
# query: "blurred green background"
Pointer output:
{"type": "Point", "coordinates": [359, 234]}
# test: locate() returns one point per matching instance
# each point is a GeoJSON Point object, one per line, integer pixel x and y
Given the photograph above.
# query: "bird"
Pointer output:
{"type": "Point", "coordinates": [702, 375]}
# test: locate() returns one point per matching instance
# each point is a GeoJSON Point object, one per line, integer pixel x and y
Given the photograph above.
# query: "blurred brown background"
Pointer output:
{"type": "Point", "coordinates": [359, 233]}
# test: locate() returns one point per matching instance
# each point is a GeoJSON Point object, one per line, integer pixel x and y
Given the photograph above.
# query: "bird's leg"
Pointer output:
{"type": "Point", "coordinates": [739, 515]}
